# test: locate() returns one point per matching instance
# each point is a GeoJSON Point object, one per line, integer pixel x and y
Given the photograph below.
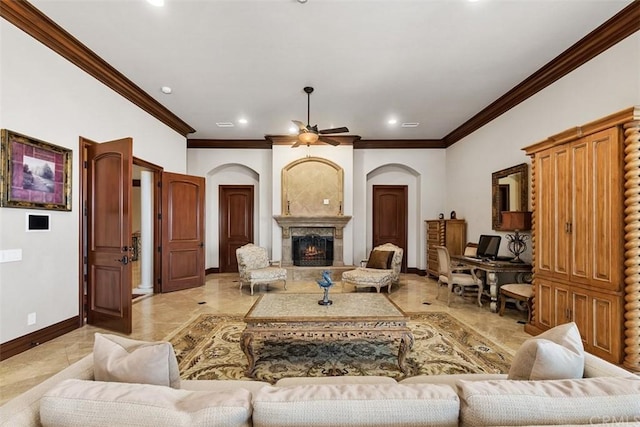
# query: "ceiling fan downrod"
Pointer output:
{"type": "Point", "coordinates": [308, 90]}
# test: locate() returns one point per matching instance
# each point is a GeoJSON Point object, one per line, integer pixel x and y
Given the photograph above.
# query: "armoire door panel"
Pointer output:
{"type": "Point", "coordinates": [607, 211]}
{"type": "Point", "coordinates": [562, 298]}
{"type": "Point", "coordinates": [545, 213]}
{"type": "Point", "coordinates": [544, 304]}
{"type": "Point", "coordinates": [580, 314]}
{"type": "Point", "coordinates": [562, 221]}
{"type": "Point", "coordinates": [580, 212]}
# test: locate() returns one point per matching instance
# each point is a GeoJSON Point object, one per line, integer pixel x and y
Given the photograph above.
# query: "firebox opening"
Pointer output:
{"type": "Point", "coordinates": [312, 250]}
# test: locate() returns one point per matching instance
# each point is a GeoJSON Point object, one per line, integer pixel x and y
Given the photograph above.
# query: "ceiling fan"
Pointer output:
{"type": "Point", "coordinates": [309, 134]}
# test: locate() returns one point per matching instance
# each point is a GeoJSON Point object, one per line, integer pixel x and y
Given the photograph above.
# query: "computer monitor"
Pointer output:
{"type": "Point", "coordinates": [488, 246]}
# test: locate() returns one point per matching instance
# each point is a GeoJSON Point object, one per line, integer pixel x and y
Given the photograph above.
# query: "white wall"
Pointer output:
{"type": "Point", "coordinates": [606, 84]}
{"type": "Point", "coordinates": [44, 96]}
{"type": "Point", "coordinates": [234, 167]}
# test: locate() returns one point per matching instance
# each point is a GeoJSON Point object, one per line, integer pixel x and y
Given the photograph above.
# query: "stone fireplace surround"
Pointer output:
{"type": "Point", "coordinates": [301, 225]}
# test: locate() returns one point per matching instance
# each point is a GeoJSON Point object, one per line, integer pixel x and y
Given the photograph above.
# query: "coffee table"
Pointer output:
{"type": "Point", "coordinates": [356, 316]}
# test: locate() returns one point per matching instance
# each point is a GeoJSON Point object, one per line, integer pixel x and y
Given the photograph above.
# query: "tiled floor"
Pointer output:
{"type": "Point", "coordinates": [155, 317]}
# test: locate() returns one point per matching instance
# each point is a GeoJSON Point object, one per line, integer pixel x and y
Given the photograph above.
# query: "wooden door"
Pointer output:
{"type": "Point", "coordinates": [562, 305]}
{"type": "Point", "coordinates": [183, 213]}
{"type": "Point", "coordinates": [390, 207]}
{"type": "Point", "coordinates": [109, 169]}
{"type": "Point", "coordinates": [544, 304]}
{"type": "Point", "coordinates": [606, 337]}
{"type": "Point", "coordinates": [236, 223]}
{"type": "Point", "coordinates": [580, 313]}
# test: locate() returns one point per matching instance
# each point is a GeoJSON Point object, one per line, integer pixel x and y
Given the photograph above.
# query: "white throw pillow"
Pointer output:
{"type": "Point", "coordinates": [555, 354]}
{"type": "Point", "coordinates": [119, 359]}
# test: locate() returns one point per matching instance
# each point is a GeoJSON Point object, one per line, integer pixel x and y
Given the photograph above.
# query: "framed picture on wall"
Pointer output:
{"type": "Point", "coordinates": [35, 174]}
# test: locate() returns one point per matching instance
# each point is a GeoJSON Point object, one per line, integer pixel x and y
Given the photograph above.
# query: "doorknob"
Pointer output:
{"type": "Point", "coordinates": [124, 260]}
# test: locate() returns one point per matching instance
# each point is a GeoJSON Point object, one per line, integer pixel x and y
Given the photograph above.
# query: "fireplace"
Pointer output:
{"type": "Point", "coordinates": [325, 226]}
{"type": "Point", "coordinates": [312, 250]}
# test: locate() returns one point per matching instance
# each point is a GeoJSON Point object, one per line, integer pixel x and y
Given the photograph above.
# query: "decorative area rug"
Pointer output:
{"type": "Point", "coordinates": [208, 348]}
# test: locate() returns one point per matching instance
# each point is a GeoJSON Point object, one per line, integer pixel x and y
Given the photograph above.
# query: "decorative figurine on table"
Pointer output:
{"type": "Point", "coordinates": [325, 283]}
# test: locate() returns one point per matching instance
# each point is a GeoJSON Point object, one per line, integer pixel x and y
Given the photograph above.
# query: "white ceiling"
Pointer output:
{"type": "Point", "coordinates": [436, 62]}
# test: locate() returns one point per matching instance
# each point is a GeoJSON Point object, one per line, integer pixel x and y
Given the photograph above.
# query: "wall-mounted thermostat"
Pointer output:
{"type": "Point", "coordinates": [38, 222]}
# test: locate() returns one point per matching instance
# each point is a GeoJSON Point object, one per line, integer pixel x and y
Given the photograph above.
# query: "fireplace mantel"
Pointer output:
{"type": "Point", "coordinates": [288, 221]}
{"type": "Point", "coordinates": [337, 222]}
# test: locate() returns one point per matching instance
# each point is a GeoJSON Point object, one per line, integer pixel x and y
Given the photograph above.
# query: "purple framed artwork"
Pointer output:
{"type": "Point", "coordinates": [35, 174]}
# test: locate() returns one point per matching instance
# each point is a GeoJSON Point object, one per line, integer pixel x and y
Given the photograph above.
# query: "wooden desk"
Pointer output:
{"type": "Point", "coordinates": [494, 269]}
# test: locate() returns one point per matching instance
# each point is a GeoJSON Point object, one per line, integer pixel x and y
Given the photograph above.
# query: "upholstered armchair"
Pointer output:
{"type": "Point", "coordinates": [255, 267]}
{"type": "Point", "coordinates": [455, 281]}
{"type": "Point", "coordinates": [381, 269]}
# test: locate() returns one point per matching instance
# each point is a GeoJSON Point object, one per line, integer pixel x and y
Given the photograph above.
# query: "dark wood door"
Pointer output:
{"type": "Point", "coordinates": [109, 168]}
{"type": "Point", "coordinates": [183, 202]}
{"type": "Point", "coordinates": [236, 223]}
{"type": "Point", "coordinates": [390, 207]}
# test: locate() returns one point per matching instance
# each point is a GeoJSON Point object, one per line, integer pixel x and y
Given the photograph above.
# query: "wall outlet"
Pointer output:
{"type": "Point", "coordinates": [325, 201]}
{"type": "Point", "coordinates": [31, 319]}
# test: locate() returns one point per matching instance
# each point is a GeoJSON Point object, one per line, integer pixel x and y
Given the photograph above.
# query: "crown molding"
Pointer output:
{"type": "Point", "coordinates": [229, 143]}
{"type": "Point", "coordinates": [354, 140]}
{"type": "Point", "coordinates": [398, 143]}
{"type": "Point", "coordinates": [26, 17]}
{"type": "Point", "coordinates": [616, 29]}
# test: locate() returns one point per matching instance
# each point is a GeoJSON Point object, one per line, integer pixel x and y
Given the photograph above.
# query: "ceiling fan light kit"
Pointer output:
{"type": "Point", "coordinates": [308, 134]}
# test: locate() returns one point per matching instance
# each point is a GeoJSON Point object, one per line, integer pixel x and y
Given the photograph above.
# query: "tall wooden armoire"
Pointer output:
{"type": "Point", "coordinates": [579, 219]}
{"type": "Point", "coordinates": [451, 233]}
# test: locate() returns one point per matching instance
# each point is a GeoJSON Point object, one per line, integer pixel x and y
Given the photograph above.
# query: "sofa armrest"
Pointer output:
{"type": "Point", "coordinates": [24, 410]}
{"type": "Point", "coordinates": [597, 367]}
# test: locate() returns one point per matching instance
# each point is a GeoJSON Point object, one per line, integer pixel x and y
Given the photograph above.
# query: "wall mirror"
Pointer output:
{"type": "Point", "coordinates": [510, 188]}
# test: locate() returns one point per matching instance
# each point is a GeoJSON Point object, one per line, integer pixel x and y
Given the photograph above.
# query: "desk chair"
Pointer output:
{"type": "Point", "coordinates": [521, 292]}
{"type": "Point", "coordinates": [446, 275]}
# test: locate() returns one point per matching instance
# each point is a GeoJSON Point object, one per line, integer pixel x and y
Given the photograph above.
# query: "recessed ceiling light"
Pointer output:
{"type": "Point", "coordinates": [410, 125]}
{"type": "Point", "coordinates": [156, 3]}
{"type": "Point", "coordinates": [243, 121]}
{"type": "Point", "coordinates": [166, 90]}
{"type": "Point", "coordinates": [392, 121]}
{"type": "Point", "coordinates": [225, 124]}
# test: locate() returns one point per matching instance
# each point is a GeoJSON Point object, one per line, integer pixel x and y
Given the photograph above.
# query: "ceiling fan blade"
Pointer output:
{"type": "Point", "coordinates": [329, 140]}
{"type": "Point", "coordinates": [300, 125]}
{"type": "Point", "coordinates": [295, 144]}
{"type": "Point", "coordinates": [334, 130]}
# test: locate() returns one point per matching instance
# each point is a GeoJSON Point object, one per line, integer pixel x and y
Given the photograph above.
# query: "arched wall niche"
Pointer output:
{"type": "Point", "coordinates": [312, 186]}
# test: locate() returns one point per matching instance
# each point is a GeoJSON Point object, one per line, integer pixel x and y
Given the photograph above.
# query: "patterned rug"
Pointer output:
{"type": "Point", "coordinates": [208, 347]}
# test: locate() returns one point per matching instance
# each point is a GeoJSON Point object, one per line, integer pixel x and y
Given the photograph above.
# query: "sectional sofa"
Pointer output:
{"type": "Point", "coordinates": [80, 396]}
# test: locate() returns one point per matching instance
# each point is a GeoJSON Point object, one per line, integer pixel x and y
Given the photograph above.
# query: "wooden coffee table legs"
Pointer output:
{"type": "Point", "coordinates": [246, 343]}
{"type": "Point", "coordinates": [406, 343]}
{"type": "Point", "coordinates": [247, 338]}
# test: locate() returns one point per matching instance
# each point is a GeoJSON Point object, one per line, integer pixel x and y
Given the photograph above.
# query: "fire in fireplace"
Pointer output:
{"type": "Point", "coordinates": [312, 250]}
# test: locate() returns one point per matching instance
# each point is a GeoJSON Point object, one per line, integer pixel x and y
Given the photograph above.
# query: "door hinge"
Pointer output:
{"type": "Point", "coordinates": [159, 249]}
{"type": "Point", "coordinates": [85, 164]}
{"type": "Point", "coordinates": [159, 216]}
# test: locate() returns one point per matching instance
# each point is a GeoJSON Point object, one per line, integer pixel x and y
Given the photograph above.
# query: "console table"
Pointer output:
{"type": "Point", "coordinates": [278, 317]}
{"type": "Point", "coordinates": [494, 269]}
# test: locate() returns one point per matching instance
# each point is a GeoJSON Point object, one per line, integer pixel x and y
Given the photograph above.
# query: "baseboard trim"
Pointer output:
{"type": "Point", "coordinates": [212, 270]}
{"type": "Point", "coordinates": [413, 270]}
{"type": "Point", "coordinates": [24, 343]}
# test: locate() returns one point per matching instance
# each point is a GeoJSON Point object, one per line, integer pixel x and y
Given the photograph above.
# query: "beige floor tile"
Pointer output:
{"type": "Point", "coordinates": [155, 317]}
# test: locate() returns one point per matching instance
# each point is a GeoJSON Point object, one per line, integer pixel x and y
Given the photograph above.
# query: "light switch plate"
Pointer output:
{"type": "Point", "coordinates": [10, 255]}
{"type": "Point", "coordinates": [325, 201]}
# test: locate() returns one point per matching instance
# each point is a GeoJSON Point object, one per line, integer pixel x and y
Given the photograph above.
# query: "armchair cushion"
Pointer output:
{"type": "Point", "coordinates": [380, 259]}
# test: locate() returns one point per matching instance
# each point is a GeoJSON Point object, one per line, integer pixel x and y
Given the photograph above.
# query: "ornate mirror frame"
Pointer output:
{"type": "Point", "coordinates": [523, 170]}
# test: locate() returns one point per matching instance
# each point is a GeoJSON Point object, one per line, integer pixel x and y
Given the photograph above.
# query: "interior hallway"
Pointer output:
{"type": "Point", "coordinates": [156, 316]}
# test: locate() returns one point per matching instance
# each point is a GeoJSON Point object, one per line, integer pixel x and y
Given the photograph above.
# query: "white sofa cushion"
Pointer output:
{"type": "Point", "coordinates": [345, 379]}
{"type": "Point", "coordinates": [555, 354]}
{"type": "Point", "coordinates": [94, 403]}
{"type": "Point", "coordinates": [355, 405]}
{"type": "Point", "coordinates": [125, 360]}
{"type": "Point", "coordinates": [517, 403]}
